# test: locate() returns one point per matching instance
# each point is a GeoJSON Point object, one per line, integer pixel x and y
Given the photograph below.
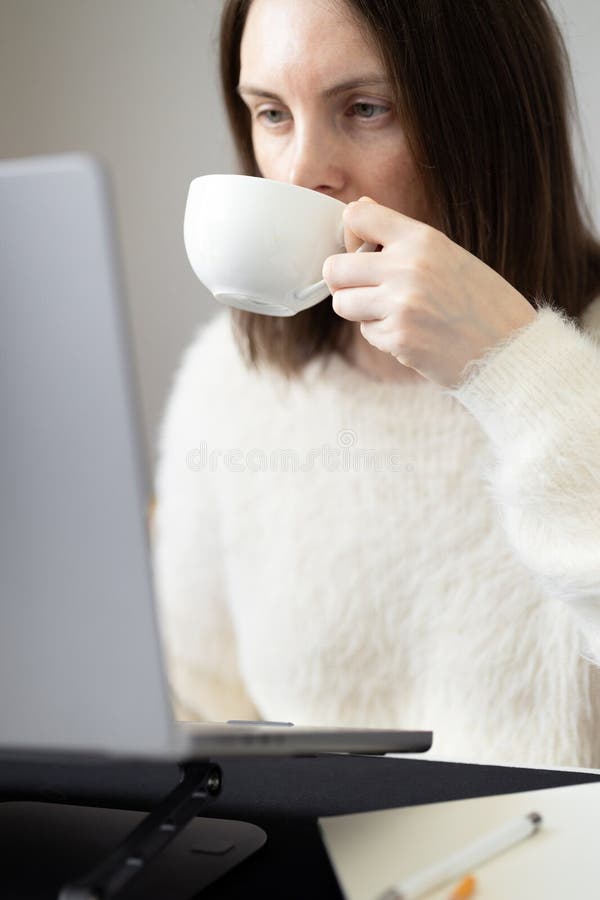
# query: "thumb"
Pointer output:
{"type": "Point", "coordinates": [351, 241]}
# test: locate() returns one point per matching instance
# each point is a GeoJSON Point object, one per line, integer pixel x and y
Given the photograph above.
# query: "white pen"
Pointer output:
{"type": "Point", "coordinates": [465, 860]}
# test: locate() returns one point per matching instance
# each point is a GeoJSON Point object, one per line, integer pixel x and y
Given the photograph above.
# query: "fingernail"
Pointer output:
{"type": "Point", "coordinates": [370, 199]}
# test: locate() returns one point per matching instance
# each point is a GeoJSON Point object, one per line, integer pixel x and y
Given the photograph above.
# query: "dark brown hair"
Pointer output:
{"type": "Point", "coordinates": [484, 90]}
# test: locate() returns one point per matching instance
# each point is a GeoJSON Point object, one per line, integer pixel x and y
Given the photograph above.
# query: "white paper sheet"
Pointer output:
{"type": "Point", "coordinates": [372, 851]}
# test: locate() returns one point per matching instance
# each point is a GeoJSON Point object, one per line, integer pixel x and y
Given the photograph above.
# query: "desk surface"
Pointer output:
{"type": "Point", "coordinates": [283, 796]}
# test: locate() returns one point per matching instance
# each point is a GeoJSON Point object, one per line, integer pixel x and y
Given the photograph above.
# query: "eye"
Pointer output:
{"type": "Point", "coordinates": [364, 110]}
{"type": "Point", "coordinates": [271, 116]}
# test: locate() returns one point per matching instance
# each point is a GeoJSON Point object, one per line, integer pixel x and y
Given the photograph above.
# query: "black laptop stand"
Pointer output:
{"type": "Point", "coordinates": [110, 878]}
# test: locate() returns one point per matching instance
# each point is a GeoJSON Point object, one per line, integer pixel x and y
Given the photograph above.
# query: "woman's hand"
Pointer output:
{"type": "Point", "coordinates": [424, 299]}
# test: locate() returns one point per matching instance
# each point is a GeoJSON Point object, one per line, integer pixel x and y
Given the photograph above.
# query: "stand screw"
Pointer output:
{"type": "Point", "coordinates": [213, 782]}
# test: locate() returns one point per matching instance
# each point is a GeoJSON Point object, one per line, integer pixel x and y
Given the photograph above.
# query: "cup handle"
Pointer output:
{"type": "Point", "coordinates": [316, 292]}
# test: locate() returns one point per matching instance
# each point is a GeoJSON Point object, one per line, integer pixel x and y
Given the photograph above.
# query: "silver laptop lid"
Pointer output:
{"type": "Point", "coordinates": [80, 666]}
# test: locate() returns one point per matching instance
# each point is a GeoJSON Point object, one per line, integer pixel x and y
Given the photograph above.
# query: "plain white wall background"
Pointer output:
{"type": "Point", "coordinates": [135, 82]}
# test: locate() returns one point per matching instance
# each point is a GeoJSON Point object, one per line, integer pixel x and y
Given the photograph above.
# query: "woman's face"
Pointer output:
{"type": "Point", "coordinates": [321, 106]}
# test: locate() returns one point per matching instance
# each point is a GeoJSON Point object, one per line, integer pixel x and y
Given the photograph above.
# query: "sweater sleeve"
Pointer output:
{"type": "Point", "coordinates": [537, 397]}
{"type": "Point", "coordinates": [196, 627]}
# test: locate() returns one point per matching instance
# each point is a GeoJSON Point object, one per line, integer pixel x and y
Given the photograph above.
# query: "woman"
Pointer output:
{"type": "Point", "coordinates": [385, 511]}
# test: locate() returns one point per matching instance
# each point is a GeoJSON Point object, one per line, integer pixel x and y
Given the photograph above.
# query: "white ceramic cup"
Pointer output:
{"type": "Point", "coordinates": [260, 245]}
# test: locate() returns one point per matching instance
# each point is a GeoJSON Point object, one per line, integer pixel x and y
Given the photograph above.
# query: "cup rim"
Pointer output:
{"type": "Point", "coordinates": [299, 189]}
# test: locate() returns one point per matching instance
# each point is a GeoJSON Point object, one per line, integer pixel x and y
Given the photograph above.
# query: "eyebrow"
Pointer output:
{"type": "Point", "coordinates": [363, 81]}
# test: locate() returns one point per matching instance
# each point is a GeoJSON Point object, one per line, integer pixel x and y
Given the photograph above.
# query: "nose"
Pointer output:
{"type": "Point", "coordinates": [316, 161]}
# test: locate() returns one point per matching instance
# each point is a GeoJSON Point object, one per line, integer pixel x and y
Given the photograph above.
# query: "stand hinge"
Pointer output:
{"type": "Point", "coordinates": [109, 879]}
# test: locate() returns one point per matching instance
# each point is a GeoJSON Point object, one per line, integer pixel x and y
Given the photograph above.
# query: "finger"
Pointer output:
{"type": "Point", "coordinates": [369, 221]}
{"type": "Point", "coordinates": [348, 270]}
{"type": "Point", "coordinates": [359, 304]}
{"type": "Point", "coordinates": [375, 332]}
{"type": "Point", "coordinates": [351, 240]}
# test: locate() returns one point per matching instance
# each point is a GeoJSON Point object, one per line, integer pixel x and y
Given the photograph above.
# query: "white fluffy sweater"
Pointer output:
{"type": "Point", "coordinates": [335, 550]}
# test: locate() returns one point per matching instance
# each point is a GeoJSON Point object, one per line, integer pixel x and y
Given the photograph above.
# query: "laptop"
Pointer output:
{"type": "Point", "coordinates": [81, 665]}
